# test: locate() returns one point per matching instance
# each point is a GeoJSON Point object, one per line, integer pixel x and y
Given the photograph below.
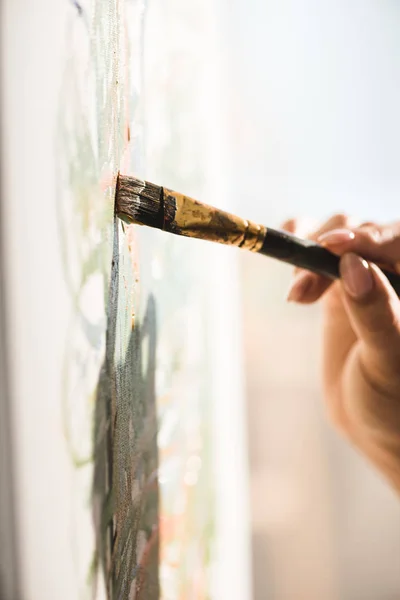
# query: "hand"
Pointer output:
{"type": "Point", "coordinates": [361, 337]}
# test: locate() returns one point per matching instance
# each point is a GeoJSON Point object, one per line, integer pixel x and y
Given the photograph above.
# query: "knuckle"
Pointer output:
{"type": "Point", "coordinates": [367, 224]}
{"type": "Point", "coordinates": [290, 225]}
{"type": "Point", "coordinates": [340, 219]}
{"type": "Point", "coordinates": [370, 232]}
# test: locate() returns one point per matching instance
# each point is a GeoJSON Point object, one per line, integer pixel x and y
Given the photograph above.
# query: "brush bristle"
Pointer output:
{"type": "Point", "coordinates": [138, 201]}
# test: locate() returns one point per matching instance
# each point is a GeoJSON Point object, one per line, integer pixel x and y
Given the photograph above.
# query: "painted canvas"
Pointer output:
{"type": "Point", "coordinates": [133, 491]}
{"type": "Point", "coordinates": [145, 391]}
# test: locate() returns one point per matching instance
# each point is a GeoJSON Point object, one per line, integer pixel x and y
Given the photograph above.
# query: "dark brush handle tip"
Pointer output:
{"type": "Point", "coordinates": [309, 255]}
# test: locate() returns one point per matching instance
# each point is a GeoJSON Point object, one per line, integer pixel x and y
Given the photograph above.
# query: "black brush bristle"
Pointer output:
{"type": "Point", "coordinates": [138, 201]}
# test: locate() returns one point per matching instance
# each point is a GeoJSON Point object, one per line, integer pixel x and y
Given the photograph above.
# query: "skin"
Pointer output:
{"type": "Point", "coordinates": [361, 336]}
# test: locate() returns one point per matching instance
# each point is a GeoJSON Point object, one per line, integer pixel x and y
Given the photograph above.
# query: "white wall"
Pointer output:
{"type": "Point", "coordinates": [319, 87]}
{"type": "Point", "coordinates": [315, 129]}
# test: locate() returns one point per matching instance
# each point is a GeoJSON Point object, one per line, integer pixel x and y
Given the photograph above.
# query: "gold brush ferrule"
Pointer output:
{"type": "Point", "coordinates": [188, 217]}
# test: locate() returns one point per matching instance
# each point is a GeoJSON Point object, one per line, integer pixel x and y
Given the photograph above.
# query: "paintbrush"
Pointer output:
{"type": "Point", "coordinates": [145, 203]}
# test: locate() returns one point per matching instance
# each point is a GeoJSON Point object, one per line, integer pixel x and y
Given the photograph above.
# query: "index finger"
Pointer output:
{"type": "Point", "coordinates": [316, 285]}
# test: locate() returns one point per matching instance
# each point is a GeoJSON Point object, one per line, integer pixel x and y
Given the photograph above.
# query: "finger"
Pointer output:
{"type": "Point", "coordinates": [290, 225]}
{"type": "Point", "coordinates": [308, 287]}
{"type": "Point", "coordinates": [380, 244]}
{"type": "Point", "coordinates": [374, 312]}
{"type": "Point", "coordinates": [301, 227]}
{"type": "Point", "coordinates": [337, 221]}
{"type": "Point", "coordinates": [338, 340]}
{"type": "Point", "coordinates": [307, 228]}
{"type": "Point", "coordinates": [339, 335]}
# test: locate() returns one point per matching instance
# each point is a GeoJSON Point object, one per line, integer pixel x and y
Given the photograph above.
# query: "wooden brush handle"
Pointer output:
{"type": "Point", "coordinates": [309, 255]}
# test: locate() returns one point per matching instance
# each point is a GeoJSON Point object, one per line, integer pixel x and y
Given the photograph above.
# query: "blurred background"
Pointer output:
{"type": "Point", "coordinates": [314, 129]}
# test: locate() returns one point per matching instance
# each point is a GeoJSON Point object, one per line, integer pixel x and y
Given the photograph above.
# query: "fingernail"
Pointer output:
{"type": "Point", "coordinates": [299, 287]}
{"type": "Point", "coordinates": [336, 237]}
{"type": "Point", "coordinates": [356, 275]}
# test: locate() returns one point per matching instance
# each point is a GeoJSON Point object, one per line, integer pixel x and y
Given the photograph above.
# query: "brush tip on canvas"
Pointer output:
{"type": "Point", "coordinates": [138, 201]}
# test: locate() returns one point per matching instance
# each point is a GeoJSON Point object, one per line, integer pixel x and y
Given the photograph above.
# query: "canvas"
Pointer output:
{"type": "Point", "coordinates": [122, 454]}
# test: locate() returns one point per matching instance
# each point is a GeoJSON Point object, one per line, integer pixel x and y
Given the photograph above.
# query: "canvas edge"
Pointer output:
{"type": "Point", "coordinates": [9, 567]}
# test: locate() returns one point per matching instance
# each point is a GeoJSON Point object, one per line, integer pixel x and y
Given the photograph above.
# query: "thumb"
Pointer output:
{"type": "Point", "coordinates": [373, 308]}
